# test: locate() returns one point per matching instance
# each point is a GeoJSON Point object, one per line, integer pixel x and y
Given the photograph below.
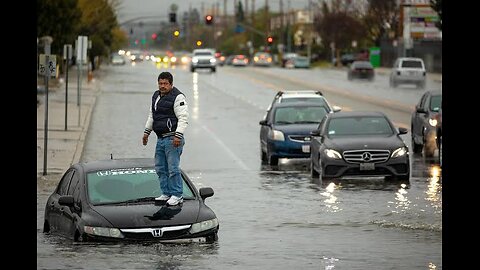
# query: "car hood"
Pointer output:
{"type": "Point", "coordinates": [149, 214]}
{"type": "Point", "coordinates": [365, 142]}
{"type": "Point", "coordinates": [298, 129]}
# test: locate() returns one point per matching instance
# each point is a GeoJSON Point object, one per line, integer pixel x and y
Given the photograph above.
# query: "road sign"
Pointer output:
{"type": "Point", "coordinates": [51, 65]}
{"type": "Point", "coordinates": [82, 45]}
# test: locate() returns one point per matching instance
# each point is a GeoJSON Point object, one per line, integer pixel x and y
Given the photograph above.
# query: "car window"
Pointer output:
{"type": "Point", "coordinates": [411, 64]}
{"type": "Point", "coordinates": [73, 183]}
{"type": "Point", "coordinates": [299, 115]}
{"type": "Point", "coordinates": [435, 103]}
{"type": "Point", "coordinates": [359, 126]}
{"type": "Point", "coordinates": [203, 53]}
{"type": "Point", "coordinates": [117, 185]}
{"type": "Point", "coordinates": [62, 188]}
{"type": "Point", "coordinates": [318, 100]}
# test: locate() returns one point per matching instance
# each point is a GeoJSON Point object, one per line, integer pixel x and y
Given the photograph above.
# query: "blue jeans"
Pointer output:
{"type": "Point", "coordinates": [167, 160]}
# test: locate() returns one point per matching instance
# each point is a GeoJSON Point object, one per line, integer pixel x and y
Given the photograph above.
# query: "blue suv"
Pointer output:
{"type": "Point", "coordinates": [285, 132]}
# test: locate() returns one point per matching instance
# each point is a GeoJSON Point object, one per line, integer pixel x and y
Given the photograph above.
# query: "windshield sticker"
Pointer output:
{"type": "Point", "coordinates": [331, 132]}
{"type": "Point", "coordinates": [126, 171]}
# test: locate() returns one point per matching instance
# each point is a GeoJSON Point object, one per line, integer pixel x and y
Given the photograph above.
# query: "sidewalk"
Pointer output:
{"type": "Point", "coordinates": [64, 147]}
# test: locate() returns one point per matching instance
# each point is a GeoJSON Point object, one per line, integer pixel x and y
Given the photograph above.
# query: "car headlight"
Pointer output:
{"type": "Point", "coordinates": [402, 151]}
{"type": "Point", "coordinates": [276, 135]}
{"type": "Point", "coordinates": [332, 154]}
{"type": "Point", "coordinates": [213, 60]}
{"type": "Point", "coordinates": [102, 231]}
{"type": "Point", "coordinates": [433, 122]}
{"type": "Point", "coordinates": [204, 225]}
{"type": "Point", "coordinates": [194, 60]}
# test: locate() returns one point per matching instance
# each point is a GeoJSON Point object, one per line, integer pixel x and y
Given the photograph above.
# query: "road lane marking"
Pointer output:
{"type": "Point", "coordinates": [225, 147]}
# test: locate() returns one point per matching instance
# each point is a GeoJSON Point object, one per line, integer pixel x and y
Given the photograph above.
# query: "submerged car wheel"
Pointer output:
{"type": "Point", "coordinates": [440, 152]}
{"type": "Point", "coordinates": [263, 156]}
{"type": "Point", "coordinates": [272, 160]}
{"type": "Point", "coordinates": [313, 172]}
{"type": "Point", "coordinates": [417, 148]}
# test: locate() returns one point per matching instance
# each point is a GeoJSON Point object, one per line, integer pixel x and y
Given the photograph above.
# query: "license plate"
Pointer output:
{"type": "Point", "coordinates": [306, 148]}
{"type": "Point", "coordinates": [367, 166]}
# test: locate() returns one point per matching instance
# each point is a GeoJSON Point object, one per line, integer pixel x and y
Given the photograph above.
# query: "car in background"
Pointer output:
{"type": "Point", "coordinates": [114, 200]}
{"type": "Point", "coordinates": [203, 58]}
{"type": "Point", "coordinates": [408, 70]}
{"type": "Point", "coordinates": [358, 144]}
{"type": "Point", "coordinates": [262, 59]}
{"type": "Point", "coordinates": [287, 57]}
{"type": "Point", "coordinates": [301, 61]}
{"type": "Point", "coordinates": [347, 59]}
{"type": "Point", "coordinates": [117, 59]}
{"type": "Point", "coordinates": [314, 96]}
{"type": "Point", "coordinates": [424, 123]}
{"type": "Point", "coordinates": [239, 60]}
{"type": "Point", "coordinates": [361, 70]}
{"type": "Point", "coordinates": [286, 131]}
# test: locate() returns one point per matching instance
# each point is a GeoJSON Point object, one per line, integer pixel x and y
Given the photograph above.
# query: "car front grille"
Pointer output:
{"type": "Point", "coordinates": [148, 233]}
{"type": "Point", "coordinates": [362, 156]}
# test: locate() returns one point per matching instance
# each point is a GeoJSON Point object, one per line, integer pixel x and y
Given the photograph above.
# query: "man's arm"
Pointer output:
{"type": "Point", "coordinates": [180, 108]}
{"type": "Point", "coordinates": [148, 126]}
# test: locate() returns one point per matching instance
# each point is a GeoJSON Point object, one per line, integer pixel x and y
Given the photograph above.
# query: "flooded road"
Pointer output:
{"type": "Point", "coordinates": [270, 217]}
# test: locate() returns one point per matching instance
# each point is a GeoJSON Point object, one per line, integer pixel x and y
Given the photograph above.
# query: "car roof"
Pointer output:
{"type": "Point", "coordinates": [107, 164]}
{"type": "Point", "coordinates": [299, 92]}
{"type": "Point", "coordinates": [356, 113]}
{"type": "Point", "coordinates": [299, 104]}
{"type": "Point", "coordinates": [410, 58]}
{"type": "Point", "coordinates": [435, 92]}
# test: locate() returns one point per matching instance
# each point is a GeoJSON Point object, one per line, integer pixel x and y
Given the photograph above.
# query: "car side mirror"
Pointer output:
{"type": "Point", "coordinates": [315, 133]}
{"type": "Point", "coordinates": [420, 110]}
{"type": "Point", "coordinates": [66, 200]}
{"type": "Point", "coordinates": [206, 192]}
{"type": "Point", "coordinates": [402, 130]}
{"type": "Point", "coordinates": [336, 108]}
{"type": "Point", "coordinates": [263, 123]}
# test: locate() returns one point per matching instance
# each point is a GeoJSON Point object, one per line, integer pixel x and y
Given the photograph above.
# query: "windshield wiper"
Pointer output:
{"type": "Point", "coordinates": [306, 122]}
{"type": "Point", "coordinates": [144, 199]}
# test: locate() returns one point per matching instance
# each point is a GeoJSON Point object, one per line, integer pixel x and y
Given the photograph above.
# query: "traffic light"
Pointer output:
{"type": "Point", "coordinates": [154, 36]}
{"type": "Point", "coordinates": [270, 40]}
{"type": "Point", "coordinates": [209, 19]}
{"type": "Point", "coordinates": [176, 33]}
{"type": "Point", "coordinates": [199, 43]}
{"type": "Point", "coordinates": [173, 17]}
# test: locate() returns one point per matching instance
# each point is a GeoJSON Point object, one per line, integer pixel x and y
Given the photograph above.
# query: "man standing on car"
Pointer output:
{"type": "Point", "coordinates": [168, 118]}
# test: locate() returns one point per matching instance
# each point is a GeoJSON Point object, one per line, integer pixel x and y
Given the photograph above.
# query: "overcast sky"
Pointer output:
{"type": "Point", "coordinates": [130, 9]}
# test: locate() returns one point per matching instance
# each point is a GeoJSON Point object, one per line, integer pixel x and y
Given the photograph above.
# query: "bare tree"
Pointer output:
{"type": "Point", "coordinates": [381, 19]}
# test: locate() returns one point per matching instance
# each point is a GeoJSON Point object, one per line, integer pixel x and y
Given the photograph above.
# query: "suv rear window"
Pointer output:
{"type": "Point", "coordinates": [411, 64]}
{"type": "Point", "coordinates": [204, 53]}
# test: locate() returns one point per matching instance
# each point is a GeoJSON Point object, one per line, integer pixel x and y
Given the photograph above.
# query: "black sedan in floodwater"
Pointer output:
{"type": "Point", "coordinates": [358, 144]}
{"type": "Point", "coordinates": [114, 200]}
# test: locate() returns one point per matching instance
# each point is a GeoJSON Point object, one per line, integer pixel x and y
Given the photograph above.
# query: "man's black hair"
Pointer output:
{"type": "Point", "coordinates": [166, 76]}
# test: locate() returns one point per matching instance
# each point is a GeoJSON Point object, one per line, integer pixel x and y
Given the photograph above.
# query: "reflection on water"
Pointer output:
{"type": "Point", "coordinates": [402, 202]}
{"type": "Point", "coordinates": [331, 200]}
{"type": "Point", "coordinates": [434, 189]}
{"type": "Point", "coordinates": [126, 255]}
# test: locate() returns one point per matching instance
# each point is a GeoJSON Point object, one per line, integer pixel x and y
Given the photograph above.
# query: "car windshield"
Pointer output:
{"type": "Point", "coordinates": [436, 103]}
{"type": "Point", "coordinates": [119, 185]}
{"type": "Point", "coordinates": [363, 125]}
{"type": "Point", "coordinates": [299, 115]}
{"type": "Point", "coordinates": [411, 64]}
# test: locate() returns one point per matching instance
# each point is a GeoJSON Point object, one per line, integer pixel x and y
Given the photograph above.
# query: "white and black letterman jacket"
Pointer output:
{"type": "Point", "coordinates": [168, 115]}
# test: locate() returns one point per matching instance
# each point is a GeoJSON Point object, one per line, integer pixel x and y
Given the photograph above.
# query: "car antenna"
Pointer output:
{"type": "Point", "coordinates": [111, 156]}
